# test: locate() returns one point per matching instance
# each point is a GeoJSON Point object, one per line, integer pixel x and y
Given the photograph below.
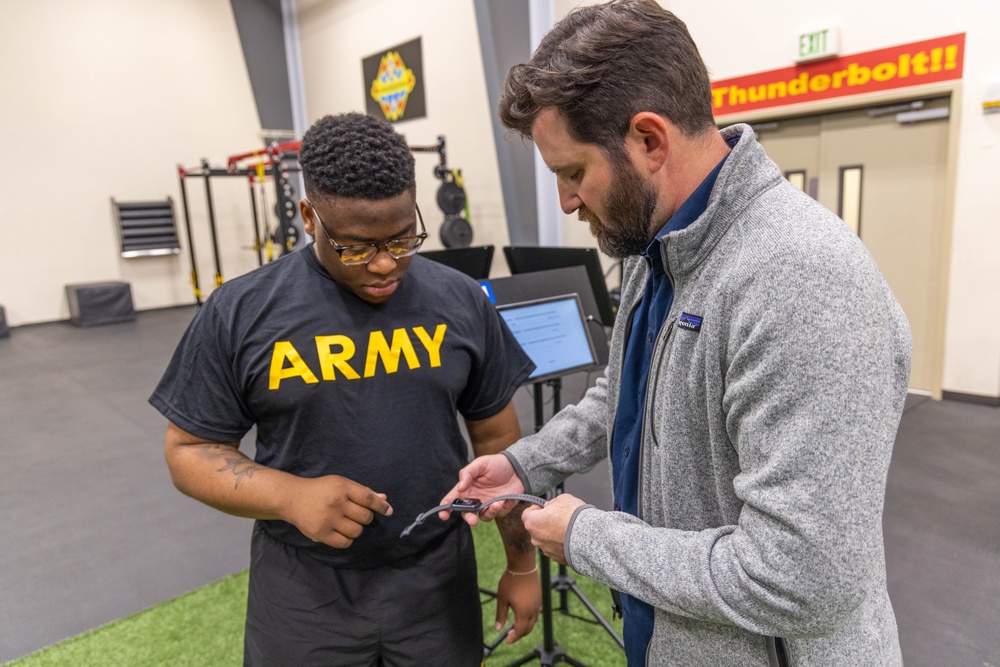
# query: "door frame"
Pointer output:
{"type": "Point", "coordinates": [953, 89]}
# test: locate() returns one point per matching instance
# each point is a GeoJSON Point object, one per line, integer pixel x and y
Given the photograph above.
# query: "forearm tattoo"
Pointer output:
{"type": "Point", "coordinates": [512, 530]}
{"type": "Point", "coordinates": [242, 467]}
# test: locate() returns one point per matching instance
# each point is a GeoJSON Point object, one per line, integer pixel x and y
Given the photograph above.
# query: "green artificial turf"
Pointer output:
{"type": "Point", "coordinates": [581, 638]}
{"type": "Point", "coordinates": [200, 628]}
{"type": "Point", "coordinates": [205, 627]}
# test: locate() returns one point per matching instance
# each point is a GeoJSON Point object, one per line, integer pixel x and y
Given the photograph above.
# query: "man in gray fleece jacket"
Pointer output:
{"type": "Point", "coordinates": [757, 373]}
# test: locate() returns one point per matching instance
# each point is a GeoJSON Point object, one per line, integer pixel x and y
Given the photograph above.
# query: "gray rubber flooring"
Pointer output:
{"type": "Point", "coordinates": [91, 529]}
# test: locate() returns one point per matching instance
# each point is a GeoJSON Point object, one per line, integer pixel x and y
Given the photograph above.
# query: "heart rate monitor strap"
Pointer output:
{"type": "Point", "coordinates": [522, 497]}
{"type": "Point", "coordinates": [471, 505]}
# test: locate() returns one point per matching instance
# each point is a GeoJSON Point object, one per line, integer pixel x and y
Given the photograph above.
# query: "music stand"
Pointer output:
{"type": "Point", "coordinates": [473, 261]}
{"type": "Point", "coordinates": [529, 259]}
{"type": "Point", "coordinates": [553, 332]}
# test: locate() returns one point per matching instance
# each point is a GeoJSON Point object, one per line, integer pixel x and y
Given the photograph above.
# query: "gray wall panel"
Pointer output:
{"type": "Point", "coordinates": [504, 37]}
{"type": "Point", "coordinates": [262, 35]}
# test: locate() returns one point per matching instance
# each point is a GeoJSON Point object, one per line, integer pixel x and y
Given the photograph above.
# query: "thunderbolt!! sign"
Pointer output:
{"type": "Point", "coordinates": [394, 82]}
{"type": "Point", "coordinates": [914, 64]}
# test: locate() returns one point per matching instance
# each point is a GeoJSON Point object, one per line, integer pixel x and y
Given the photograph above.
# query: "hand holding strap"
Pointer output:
{"type": "Point", "coordinates": [472, 505]}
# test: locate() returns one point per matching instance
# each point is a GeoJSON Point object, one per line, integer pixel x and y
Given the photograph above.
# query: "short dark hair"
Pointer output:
{"type": "Point", "coordinates": [355, 155]}
{"type": "Point", "coordinates": [603, 64]}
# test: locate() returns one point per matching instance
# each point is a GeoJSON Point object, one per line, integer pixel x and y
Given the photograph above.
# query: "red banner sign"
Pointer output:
{"type": "Point", "coordinates": [915, 64]}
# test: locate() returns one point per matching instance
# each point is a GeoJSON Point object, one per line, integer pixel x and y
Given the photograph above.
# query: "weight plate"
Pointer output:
{"type": "Point", "coordinates": [456, 232]}
{"type": "Point", "coordinates": [450, 198]}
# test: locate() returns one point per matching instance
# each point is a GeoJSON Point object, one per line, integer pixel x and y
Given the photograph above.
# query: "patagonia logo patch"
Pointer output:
{"type": "Point", "coordinates": [690, 322]}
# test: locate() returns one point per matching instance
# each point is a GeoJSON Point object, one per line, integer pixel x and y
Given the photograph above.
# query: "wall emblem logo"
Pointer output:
{"type": "Point", "coordinates": [393, 85]}
{"type": "Point", "coordinates": [394, 82]}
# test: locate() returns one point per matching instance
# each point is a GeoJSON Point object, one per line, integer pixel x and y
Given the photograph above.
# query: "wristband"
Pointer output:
{"type": "Point", "coordinates": [471, 505]}
{"type": "Point", "coordinates": [518, 574]}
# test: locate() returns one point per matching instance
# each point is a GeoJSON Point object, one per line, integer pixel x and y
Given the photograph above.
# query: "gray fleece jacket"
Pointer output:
{"type": "Point", "coordinates": [766, 439]}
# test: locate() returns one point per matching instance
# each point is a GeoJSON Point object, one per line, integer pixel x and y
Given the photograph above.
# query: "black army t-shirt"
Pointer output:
{"type": "Point", "coordinates": [336, 385]}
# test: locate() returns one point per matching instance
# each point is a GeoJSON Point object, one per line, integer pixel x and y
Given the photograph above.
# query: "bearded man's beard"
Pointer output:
{"type": "Point", "coordinates": [629, 209]}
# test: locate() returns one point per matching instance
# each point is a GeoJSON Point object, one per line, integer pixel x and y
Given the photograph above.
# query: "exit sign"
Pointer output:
{"type": "Point", "coordinates": [818, 45]}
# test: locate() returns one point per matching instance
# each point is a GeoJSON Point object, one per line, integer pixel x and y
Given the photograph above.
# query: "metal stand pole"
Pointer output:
{"type": "Point", "coordinates": [211, 221]}
{"type": "Point", "coordinates": [548, 653]}
{"type": "Point", "coordinates": [258, 246]}
{"type": "Point", "coordinates": [563, 582]}
{"type": "Point", "coordinates": [187, 228]}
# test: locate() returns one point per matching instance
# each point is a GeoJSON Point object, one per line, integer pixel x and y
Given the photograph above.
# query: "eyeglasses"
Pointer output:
{"type": "Point", "coordinates": [353, 255]}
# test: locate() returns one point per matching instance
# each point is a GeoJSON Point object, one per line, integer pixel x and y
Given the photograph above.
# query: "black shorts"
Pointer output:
{"type": "Point", "coordinates": [419, 611]}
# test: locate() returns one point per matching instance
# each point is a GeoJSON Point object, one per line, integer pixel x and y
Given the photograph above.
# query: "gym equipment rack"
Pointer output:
{"type": "Point", "coordinates": [277, 161]}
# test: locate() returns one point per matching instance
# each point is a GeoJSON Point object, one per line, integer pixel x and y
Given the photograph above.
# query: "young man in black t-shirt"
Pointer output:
{"type": "Point", "coordinates": [353, 358]}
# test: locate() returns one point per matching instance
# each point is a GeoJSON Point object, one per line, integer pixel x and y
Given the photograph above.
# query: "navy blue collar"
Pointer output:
{"type": "Point", "coordinates": [689, 211]}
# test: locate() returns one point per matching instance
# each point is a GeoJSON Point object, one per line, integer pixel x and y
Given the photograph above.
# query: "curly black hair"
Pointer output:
{"type": "Point", "coordinates": [355, 155]}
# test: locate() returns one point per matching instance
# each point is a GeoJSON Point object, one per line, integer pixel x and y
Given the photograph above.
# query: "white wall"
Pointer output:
{"type": "Point", "coordinates": [103, 99]}
{"type": "Point", "coordinates": [737, 39]}
{"type": "Point", "coordinates": [336, 36]}
{"type": "Point", "coordinates": [576, 234]}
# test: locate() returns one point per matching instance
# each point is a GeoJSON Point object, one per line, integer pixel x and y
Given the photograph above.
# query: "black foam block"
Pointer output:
{"type": "Point", "coordinates": [100, 303]}
{"type": "Point", "coordinates": [4, 330]}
